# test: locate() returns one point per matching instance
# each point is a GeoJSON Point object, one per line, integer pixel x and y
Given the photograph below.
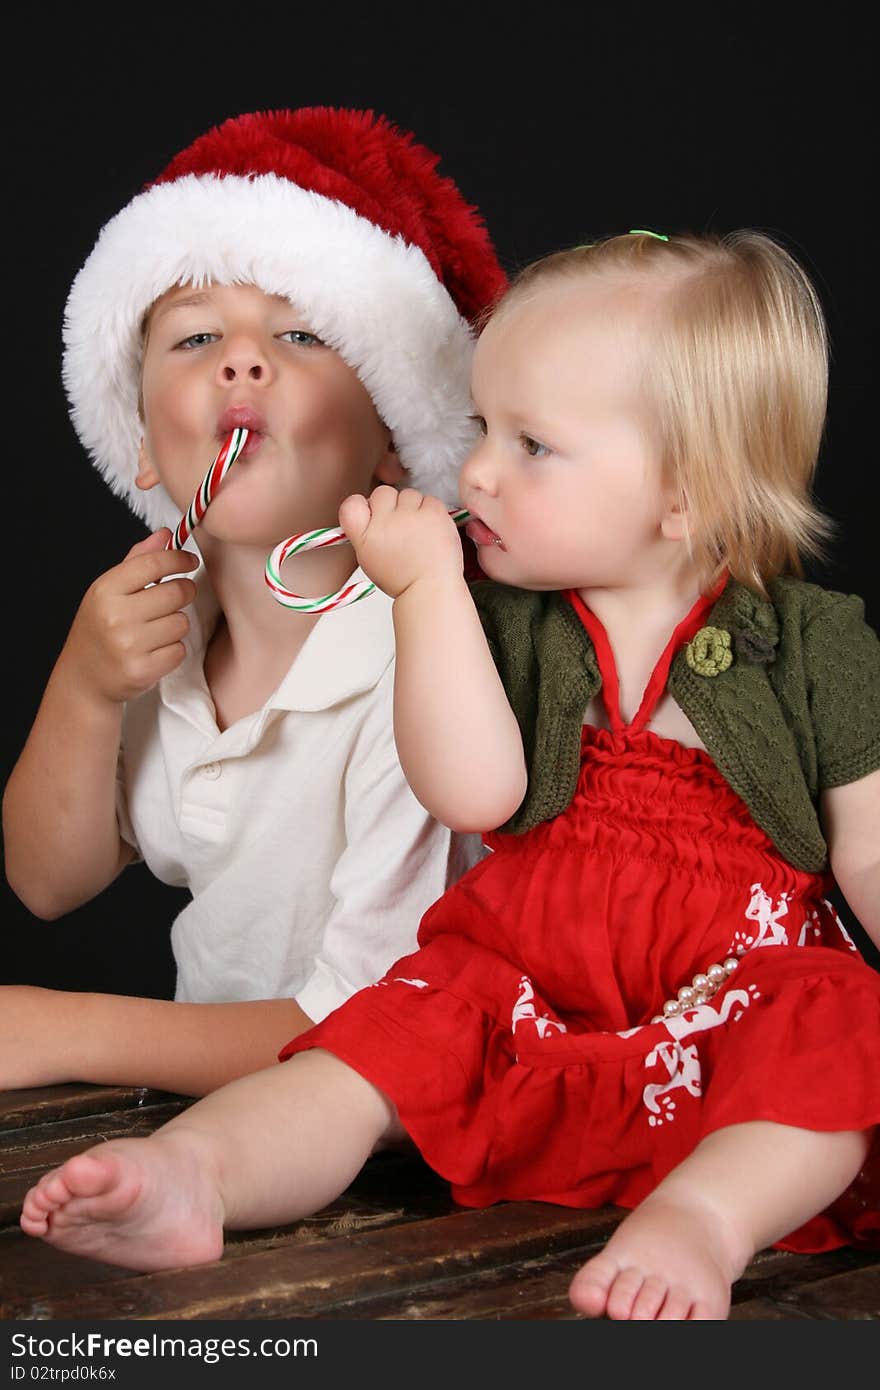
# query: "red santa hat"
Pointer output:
{"type": "Point", "coordinates": [336, 210]}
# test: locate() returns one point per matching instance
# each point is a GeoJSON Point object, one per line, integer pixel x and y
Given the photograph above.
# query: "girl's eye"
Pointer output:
{"type": "Point", "coordinates": [301, 337]}
{"type": "Point", "coordinates": [532, 447]}
{"type": "Point", "coordinates": [479, 422]}
{"type": "Point", "coordinates": [197, 340]}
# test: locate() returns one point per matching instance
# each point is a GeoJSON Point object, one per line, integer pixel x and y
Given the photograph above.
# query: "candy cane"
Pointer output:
{"type": "Point", "coordinates": [229, 452]}
{"type": "Point", "coordinates": [315, 540]}
{"type": "Point", "coordinates": [306, 540]}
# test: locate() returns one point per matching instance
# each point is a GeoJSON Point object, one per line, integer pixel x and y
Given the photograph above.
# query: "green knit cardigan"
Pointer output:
{"type": "Point", "coordinates": [784, 694]}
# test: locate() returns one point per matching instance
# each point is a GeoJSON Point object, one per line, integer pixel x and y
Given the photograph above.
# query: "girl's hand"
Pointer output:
{"type": "Point", "coordinates": [402, 537]}
{"type": "Point", "coordinates": [126, 636]}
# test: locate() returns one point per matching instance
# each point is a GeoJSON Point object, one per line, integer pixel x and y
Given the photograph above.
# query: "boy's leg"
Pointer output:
{"type": "Point", "coordinates": [263, 1151]}
{"type": "Point", "coordinates": [744, 1187]}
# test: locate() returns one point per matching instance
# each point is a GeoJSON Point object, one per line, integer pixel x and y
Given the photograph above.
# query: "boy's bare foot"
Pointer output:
{"type": "Point", "coordinates": [666, 1261]}
{"type": "Point", "coordinates": [145, 1204]}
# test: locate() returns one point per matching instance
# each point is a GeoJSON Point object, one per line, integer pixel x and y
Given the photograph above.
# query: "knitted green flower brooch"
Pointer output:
{"type": "Point", "coordinates": [753, 636]}
{"type": "Point", "coordinates": [709, 652]}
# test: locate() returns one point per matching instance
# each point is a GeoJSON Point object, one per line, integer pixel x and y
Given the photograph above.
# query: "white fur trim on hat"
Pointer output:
{"type": "Point", "coordinates": [370, 295]}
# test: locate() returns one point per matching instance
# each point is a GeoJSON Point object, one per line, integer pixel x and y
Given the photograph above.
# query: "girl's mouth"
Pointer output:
{"type": "Point", "coordinates": [480, 533]}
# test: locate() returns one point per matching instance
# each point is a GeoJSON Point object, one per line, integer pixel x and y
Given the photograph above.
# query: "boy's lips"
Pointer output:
{"type": "Point", "coordinates": [481, 534]}
{"type": "Point", "coordinates": [243, 417]}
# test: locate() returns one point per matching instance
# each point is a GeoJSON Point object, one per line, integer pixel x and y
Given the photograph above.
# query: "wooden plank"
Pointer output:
{"type": "Point", "coordinates": [392, 1247]}
{"type": "Point", "coordinates": [538, 1288]}
{"type": "Point", "coordinates": [497, 1275]}
{"type": "Point", "coordinates": [774, 1274]}
{"type": "Point", "coordinates": [29, 1267]}
{"type": "Point", "coordinates": [303, 1282]}
{"type": "Point", "coordinates": [392, 1189]}
{"type": "Point", "coordinates": [20, 1109]}
{"type": "Point", "coordinates": [762, 1310]}
{"type": "Point", "coordinates": [780, 1284]}
{"type": "Point", "coordinates": [852, 1295]}
{"type": "Point", "coordinates": [527, 1289]}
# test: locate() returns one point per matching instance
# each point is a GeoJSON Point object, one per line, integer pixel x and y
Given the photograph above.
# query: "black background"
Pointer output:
{"type": "Point", "coordinates": [575, 122]}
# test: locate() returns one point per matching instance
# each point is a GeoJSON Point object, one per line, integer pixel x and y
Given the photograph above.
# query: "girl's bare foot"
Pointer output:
{"type": "Point", "coordinates": [667, 1261]}
{"type": "Point", "coordinates": [146, 1204]}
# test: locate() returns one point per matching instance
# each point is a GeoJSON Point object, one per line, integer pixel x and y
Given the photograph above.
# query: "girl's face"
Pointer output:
{"type": "Point", "coordinates": [230, 355]}
{"type": "Point", "coordinates": [567, 479]}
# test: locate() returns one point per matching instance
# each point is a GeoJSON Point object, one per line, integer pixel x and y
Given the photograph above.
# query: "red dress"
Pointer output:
{"type": "Point", "coordinates": [518, 1043]}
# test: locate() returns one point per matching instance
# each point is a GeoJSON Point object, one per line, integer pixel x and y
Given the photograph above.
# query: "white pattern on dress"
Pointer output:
{"type": "Point", "coordinates": [683, 1063]}
{"type": "Point", "coordinates": [811, 926]}
{"type": "Point", "coordinates": [843, 931]}
{"type": "Point", "coordinates": [762, 911]}
{"type": "Point", "coordinates": [399, 980]}
{"type": "Point", "coordinates": [524, 1010]}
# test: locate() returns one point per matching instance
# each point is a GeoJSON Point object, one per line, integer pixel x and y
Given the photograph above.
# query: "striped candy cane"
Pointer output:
{"type": "Point", "coordinates": [316, 540]}
{"type": "Point", "coordinates": [229, 452]}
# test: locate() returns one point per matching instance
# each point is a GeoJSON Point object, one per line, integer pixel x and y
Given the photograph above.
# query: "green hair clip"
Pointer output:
{"type": "Point", "coordinates": [641, 231]}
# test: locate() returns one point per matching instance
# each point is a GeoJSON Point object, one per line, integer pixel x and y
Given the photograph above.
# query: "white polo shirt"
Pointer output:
{"type": "Point", "coordinates": [309, 859]}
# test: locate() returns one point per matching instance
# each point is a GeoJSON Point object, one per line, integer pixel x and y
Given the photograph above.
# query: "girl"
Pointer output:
{"type": "Point", "coordinates": [641, 996]}
{"type": "Point", "coordinates": [310, 276]}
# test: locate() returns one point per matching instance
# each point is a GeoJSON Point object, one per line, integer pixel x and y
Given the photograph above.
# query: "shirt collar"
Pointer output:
{"type": "Point", "coordinates": [347, 652]}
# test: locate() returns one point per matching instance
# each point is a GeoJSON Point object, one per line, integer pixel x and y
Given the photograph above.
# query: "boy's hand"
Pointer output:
{"type": "Point", "coordinates": [402, 537]}
{"type": "Point", "coordinates": [126, 636]}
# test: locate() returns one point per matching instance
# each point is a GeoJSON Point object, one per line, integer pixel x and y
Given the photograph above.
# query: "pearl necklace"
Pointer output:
{"type": "Point", "coordinates": [701, 988]}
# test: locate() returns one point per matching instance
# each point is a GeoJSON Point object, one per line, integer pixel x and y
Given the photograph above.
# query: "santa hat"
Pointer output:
{"type": "Point", "coordinates": [336, 210]}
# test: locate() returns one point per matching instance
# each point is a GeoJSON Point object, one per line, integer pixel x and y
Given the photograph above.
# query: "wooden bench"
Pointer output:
{"type": "Point", "coordinates": [393, 1247]}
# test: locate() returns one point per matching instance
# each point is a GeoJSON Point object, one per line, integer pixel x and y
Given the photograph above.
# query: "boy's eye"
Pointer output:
{"type": "Point", "coordinates": [301, 337]}
{"type": "Point", "coordinates": [196, 340]}
{"type": "Point", "coordinates": [532, 447]}
{"type": "Point", "coordinates": [479, 422]}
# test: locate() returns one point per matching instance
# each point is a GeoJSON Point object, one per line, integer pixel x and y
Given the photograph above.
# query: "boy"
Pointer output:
{"type": "Point", "coordinates": [308, 275]}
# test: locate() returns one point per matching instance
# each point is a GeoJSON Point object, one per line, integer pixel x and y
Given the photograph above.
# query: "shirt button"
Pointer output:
{"type": "Point", "coordinates": [211, 771]}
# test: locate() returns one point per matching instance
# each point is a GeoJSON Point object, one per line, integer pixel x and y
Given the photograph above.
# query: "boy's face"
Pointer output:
{"type": "Point", "coordinates": [567, 479]}
{"type": "Point", "coordinates": [230, 355]}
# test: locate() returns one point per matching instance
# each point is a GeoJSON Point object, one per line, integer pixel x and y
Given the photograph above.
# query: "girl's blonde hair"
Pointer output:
{"type": "Point", "coordinates": [737, 375]}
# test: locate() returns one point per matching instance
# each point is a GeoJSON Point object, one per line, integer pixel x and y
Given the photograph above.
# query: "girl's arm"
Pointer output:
{"type": "Point", "coordinates": [851, 820]}
{"type": "Point", "coordinates": [457, 737]}
{"type": "Point", "coordinates": [62, 841]}
{"type": "Point", "coordinates": [840, 655]}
